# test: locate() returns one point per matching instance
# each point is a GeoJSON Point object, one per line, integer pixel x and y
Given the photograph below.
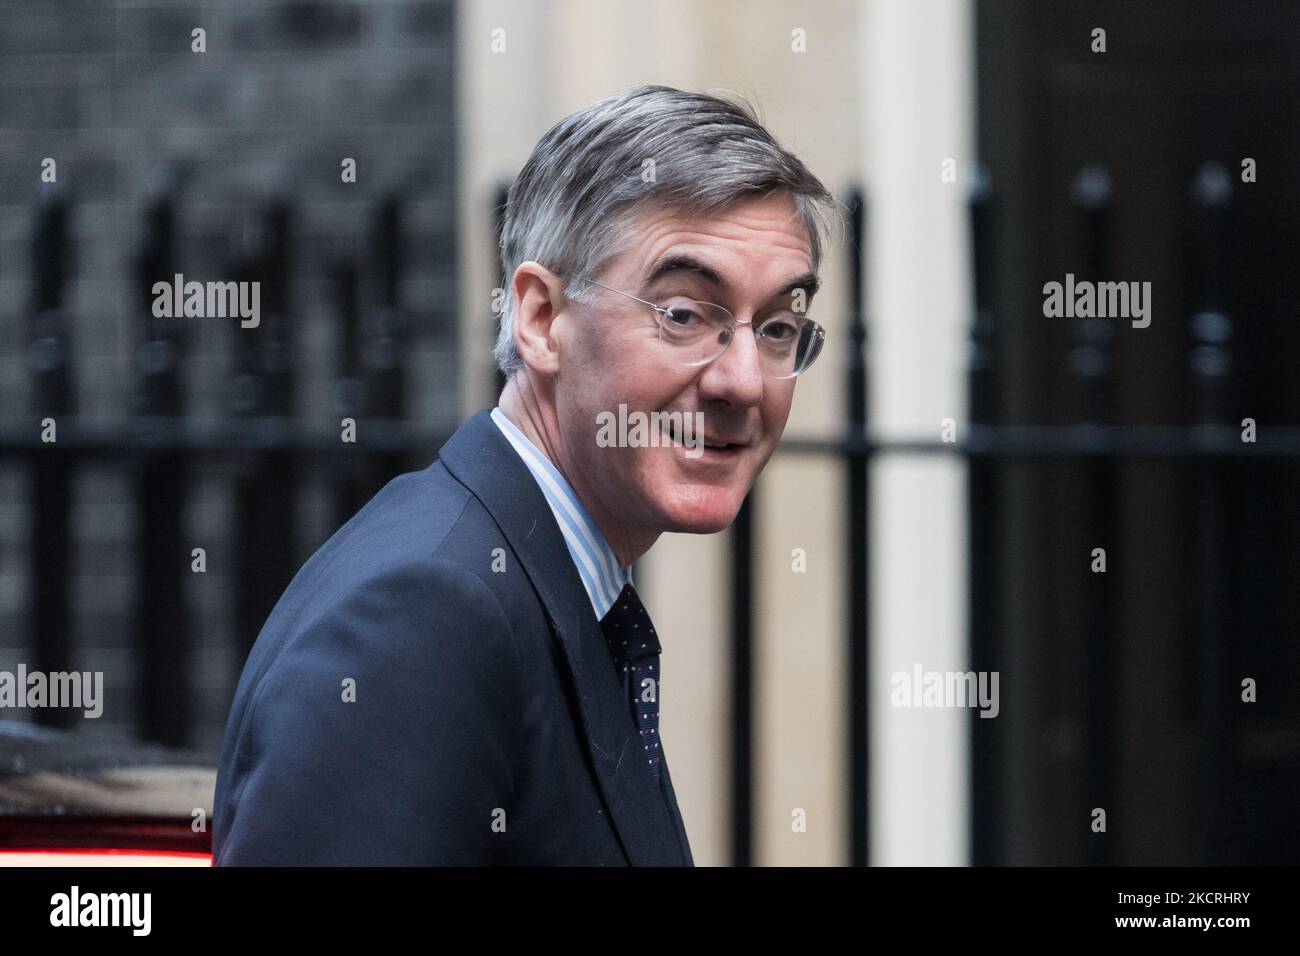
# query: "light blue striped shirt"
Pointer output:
{"type": "Point", "coordinates": [591, 553]}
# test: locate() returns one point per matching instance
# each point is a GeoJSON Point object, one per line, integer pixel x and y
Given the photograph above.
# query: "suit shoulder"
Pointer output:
{"type": "Point", "coordinates": [384, 592]}
{"type": "Point", "coordinates": [374, 708]}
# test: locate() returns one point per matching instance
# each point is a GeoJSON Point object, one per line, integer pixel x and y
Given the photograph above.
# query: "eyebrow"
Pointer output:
{"type": "Point", "coordinates": [678, 262]}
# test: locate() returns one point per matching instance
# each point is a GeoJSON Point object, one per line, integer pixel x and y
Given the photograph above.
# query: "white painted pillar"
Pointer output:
{"type": "Point", "coordinates": [918, 97]}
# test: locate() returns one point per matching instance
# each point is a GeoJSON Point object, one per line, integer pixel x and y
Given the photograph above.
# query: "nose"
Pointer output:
{"type": "Point", "coordinates": [736, 376]}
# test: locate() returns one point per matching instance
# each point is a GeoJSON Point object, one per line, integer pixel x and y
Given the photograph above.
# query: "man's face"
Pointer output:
{"type": "Point", "coordinates": [612, 356]}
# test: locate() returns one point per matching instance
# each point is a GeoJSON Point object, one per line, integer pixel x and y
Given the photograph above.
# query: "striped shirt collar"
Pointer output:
{"type": "Point", "coordinates": [593, 557]}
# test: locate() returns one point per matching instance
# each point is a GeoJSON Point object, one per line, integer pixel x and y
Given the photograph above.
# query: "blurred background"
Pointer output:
{"type": "Point", "coordinates": [950, 468]}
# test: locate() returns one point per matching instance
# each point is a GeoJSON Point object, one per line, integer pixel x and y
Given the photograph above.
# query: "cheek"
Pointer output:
{"type": "Point", "coordinates": [776, 412]}
{"type": "Point", "coordinates": [622, 369]}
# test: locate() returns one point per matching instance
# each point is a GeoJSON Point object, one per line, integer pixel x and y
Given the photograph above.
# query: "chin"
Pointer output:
{"type": "Point", "coordinates": [705, 510]}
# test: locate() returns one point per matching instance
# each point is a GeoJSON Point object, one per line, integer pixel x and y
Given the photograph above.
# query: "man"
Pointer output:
{"type": "Point", "coordinates": [463, 673]}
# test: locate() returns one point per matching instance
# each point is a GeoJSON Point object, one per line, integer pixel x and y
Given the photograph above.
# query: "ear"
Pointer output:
{"type": "Point", "coordinates": [539, 296]}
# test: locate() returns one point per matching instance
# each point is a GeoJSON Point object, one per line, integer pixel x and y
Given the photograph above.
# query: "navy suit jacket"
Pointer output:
{"type": "Point", "coordinates": [488, 726]}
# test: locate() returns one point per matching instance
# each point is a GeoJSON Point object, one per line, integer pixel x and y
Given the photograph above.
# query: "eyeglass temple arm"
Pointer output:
{"type": "Point", "coordinates": [734, 322]}
{"type": "Point", "coordinates": [627, 294]}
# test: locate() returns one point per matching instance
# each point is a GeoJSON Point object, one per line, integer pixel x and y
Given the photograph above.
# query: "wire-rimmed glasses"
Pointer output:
{"type": "Point", "coordinates": [695, 333]}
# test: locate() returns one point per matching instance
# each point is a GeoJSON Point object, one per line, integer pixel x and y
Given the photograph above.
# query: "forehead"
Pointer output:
{"type": "Point", "coordinates": [751, 239]}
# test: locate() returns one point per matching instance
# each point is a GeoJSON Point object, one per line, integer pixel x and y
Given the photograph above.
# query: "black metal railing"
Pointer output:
{"type": "Point", "coordinates": [263, 443]}
{"type": "Point", "coordinates": [270, 446]}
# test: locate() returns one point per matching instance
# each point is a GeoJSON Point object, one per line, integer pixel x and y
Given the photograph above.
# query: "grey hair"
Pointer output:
{"type": "Point", "coordinates": [572, 204]}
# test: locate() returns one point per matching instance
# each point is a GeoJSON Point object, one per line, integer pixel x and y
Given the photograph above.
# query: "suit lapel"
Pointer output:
{"type": "Point", "coordinates": [481, 458]}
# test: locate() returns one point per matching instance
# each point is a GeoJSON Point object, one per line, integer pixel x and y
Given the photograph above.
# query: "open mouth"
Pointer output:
{"type": "Point", "coordinates": [708, 442]}
{"type": "Point", "coordinates": [721, 446]}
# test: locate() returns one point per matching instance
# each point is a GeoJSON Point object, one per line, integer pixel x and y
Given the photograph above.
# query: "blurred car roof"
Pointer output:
{"type": "Point", "coordinates": [62, 788]}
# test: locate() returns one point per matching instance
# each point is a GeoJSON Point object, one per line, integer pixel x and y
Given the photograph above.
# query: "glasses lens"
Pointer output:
{"type": "Point", "coordinates": [693, 333]}
{"type": "Point", "coordinates": [789, 344]}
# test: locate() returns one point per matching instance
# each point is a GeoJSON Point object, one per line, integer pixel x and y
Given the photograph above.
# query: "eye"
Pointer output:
{"type": "Point", "coordinates": [780, 330]}
{"type": "Point", "coordinates": [682, 316]}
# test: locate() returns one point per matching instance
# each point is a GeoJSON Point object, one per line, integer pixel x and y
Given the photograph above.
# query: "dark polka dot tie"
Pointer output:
{"type": "Point", "coordinates": [634, 646]}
